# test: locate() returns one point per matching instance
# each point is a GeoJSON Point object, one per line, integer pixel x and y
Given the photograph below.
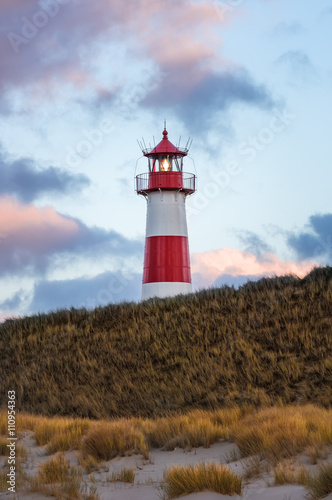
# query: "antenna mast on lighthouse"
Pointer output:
{"type": "Point", "coordinates": [165, 186]}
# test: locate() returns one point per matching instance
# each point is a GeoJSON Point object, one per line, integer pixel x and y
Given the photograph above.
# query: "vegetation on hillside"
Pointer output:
{"type": "Point", "coordinates": [271, 441]}
{"type": "Point", "coordinates": [267, 342]}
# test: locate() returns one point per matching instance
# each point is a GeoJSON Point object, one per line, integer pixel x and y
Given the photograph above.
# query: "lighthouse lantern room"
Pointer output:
{"type": "Point", "coordinates": [165, 186]}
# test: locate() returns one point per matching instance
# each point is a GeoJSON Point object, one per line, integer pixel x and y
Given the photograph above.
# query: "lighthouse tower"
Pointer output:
{"type": "Point", "coordinates": [165, 186]}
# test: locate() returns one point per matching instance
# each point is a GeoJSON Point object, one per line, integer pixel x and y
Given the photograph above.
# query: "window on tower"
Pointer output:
{"type": "Point", "coordinates": [166, 163]}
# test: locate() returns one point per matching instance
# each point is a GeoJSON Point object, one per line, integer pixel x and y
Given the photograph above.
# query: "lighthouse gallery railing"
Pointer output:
{"type": "Point", "coordinates": [187, 183]}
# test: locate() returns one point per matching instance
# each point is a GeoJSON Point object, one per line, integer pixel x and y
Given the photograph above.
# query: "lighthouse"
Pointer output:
{"type": "Point", "coordinates": [165, 187]}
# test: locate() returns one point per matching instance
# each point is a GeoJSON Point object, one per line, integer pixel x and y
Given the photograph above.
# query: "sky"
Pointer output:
{"type": "Point", "coordinates": [80, 82]}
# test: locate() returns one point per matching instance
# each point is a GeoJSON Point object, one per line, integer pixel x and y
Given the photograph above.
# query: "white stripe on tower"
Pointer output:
{"type": "Point", "coordinates": [166, 214]}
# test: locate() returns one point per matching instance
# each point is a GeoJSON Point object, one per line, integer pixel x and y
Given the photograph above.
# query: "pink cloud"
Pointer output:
{"type": "Point", "coordinates": [34, 228]}
{"type": "Point", "coordinates": [30, 236]}
{"type": "Point", "coordinates": [230, 261]}
{"type": "Point", "coordinates": [174, 34]}
{"type": "Point", "coordinates": [181, 34]}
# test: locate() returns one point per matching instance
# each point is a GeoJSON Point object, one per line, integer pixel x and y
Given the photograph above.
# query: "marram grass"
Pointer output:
{"type": "Point", "coordinates": [56, 470]}
{"type": "Point", "coordinates": [283, 432]}
{"type": "Point", "coordinates": [284, 474]}
{"type": "Point", "coordinates": [183, 480]}
{"type": "Point", "coordinates": [265, 343]}
{"type": "Point", "coordinates": [124, 475]}
{"type": "Point", "coordinates": [274, 433]}
{"type": "Point", "coordinates": [58, 479]}
{"type": "Point", "coordinates": [270, 435]}
{"type": "Point", "coordinates": [320, 484]}
{"type": "Point", "coordinates": [115, 438]}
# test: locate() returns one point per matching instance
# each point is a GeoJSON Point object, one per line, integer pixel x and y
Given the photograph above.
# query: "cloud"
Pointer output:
{"type": "Point", "coordinates": [87, 292]}
{"type": "Point", "coordinates": [326, 12]}
{"type": "Point", "coordinates": [53, 52]}
{"type": "Point", "coordinates": [18, 303]}
{"type": "Point", "coordinates": [298, 64]}
{"type": "Point", "coordinates": [39, 40]}
{"type": "Point", "coordinates": [24, 180]}
{"type": "Point", "coordinates": [288, 29]}
{"type": "Point", "coordinates": [179, 38]}
{"type": "Point", "coordinates": [254, 244]}
{"type": "Point", "coordinates": [31, 236]}
{"type": "Point", "coordinates": [15, 302]}
{"type": "Point", "coordinates": [316, 241]}
{"type": "Point", "coordinates": [197, 99]}
{"type": "Point", "coordinates": [211, 268]}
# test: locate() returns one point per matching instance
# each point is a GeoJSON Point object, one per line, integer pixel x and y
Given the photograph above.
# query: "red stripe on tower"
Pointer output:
{"type": "Point", "coordinates": [165, 187]}
{"type": "Point", "coordinates": [166, 259]}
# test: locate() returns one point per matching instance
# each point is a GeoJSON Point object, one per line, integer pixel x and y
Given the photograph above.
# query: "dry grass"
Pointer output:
{"type": "Point", "coordinates": [58, 479]}
{"type": "Point", "coordinates": [266, 438]}
{"type": "Point", "coordinates": [254, 466]}
{"type": "Point", "coordinates": [4, 450]}
{"type": "Point", "coordinates": [266, 342]}
{"type": "Point", "coordinates": [192, 430]}
{"type": "Point", "coordinates": [60, 434]}
{"type": "Point", "coordinates": [283, 432]}
{"type": "Point", "coordinates": [20, 478]}
{"type": "Point", "coordinates": [317, 451]}
{"type": "Point", "coordinates": [88, 462]}
{"type": "Point", "coordinates": [125, 476]}
{"type": "Point", "coordinates": [183, 480]}
{"type": "Point", "coordinates": [57, 470]}
{"type": "Point", "coordinates": [20, 450]}
{"type": "Point", "coordinates": [320, 484]}
{"type": "Point", "coordinates": [110, 439]}
{"type": "Point", "coordinates": [3, 480]}
{"type": "Point", "coordinates": [271, 433]}
{"type": "Point", "coordinates": [286, 474]}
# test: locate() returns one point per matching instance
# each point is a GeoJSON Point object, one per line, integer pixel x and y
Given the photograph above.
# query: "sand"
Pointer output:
{"type": "Point", "coordinates": [149, 474]}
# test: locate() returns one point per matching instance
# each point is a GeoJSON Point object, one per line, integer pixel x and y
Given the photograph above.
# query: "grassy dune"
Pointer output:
{"type": "Point", "coordinates": [268, 342]}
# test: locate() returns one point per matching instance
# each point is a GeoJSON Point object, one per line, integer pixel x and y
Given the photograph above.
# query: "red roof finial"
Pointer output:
{"type": "Point", "coordinates": [164, 147]}
{"type": "Point", "coordinates": [165, 133]}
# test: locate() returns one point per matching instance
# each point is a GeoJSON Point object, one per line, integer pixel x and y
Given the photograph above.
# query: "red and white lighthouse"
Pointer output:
{"type": "Point", "coordinates": [165, 186]}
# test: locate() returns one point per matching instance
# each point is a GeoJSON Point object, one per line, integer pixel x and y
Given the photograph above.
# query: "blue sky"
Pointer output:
{"type": "Point", "coordinates": [248, 80]}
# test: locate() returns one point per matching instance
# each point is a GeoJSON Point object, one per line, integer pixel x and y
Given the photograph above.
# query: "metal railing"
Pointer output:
{"type": "Point", "coordinates": [183, 181]}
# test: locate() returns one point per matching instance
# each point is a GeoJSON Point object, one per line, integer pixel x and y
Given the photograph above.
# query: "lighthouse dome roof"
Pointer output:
{"type": "Point", "coordinates": [165, 147]}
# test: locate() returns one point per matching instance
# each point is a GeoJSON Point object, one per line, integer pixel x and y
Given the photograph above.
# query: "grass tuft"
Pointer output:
{"type": "Point", "coordinates": [285, 474]}
{"type": "Point", "coordinates": [57, 470]}
{"type": "Point", "coordinates": [58, 479]}
{"type": "Point", "coordinates": [283, 432]}
{"type": "Point", "coordinates": [183, 480]}
{"type": "Point", "coordinates": [115, 438]}
{"type": "Point", "coordinates": [192, 430]}
{"type": "Point", "coordinates": [125, 476]}
{"type": "Point", "coordinates": [320, 484]}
